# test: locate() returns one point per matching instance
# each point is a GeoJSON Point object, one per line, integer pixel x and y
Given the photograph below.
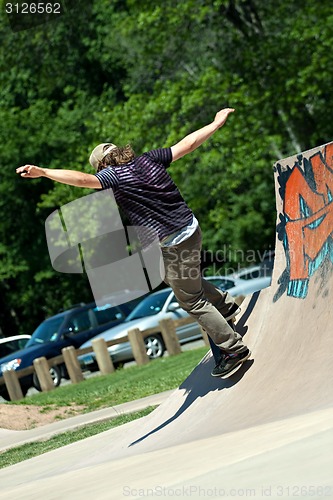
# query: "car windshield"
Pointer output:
{"type": "Point", "coordinates": [151, 305]}
{"type": "Point", "coordinates": [46, 332]}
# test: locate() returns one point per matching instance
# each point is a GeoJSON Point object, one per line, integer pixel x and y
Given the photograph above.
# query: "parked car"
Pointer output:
{"type": "Point", "coordinates": [8, 345]}
{"type": "Point", "coordinates": [262, 270]}
{"type": "Point", "coordinates": [68, 328]}
{"type": "Point", "coordinates": [155, 307]}
{"type": "Point", "coordinates": [247, 273]}
{"type": "Point", "coordinates": [239, 286]}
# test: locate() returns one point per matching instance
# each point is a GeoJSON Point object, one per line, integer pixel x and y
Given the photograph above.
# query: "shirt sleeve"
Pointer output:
{"type": "Point", "coordinates": [108, 178]}
{"type": "Point", "coordinates": [161, 155]}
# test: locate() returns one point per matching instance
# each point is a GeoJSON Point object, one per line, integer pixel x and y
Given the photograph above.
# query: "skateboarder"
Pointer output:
{"type": "Point", "coordinates": [145, 191]}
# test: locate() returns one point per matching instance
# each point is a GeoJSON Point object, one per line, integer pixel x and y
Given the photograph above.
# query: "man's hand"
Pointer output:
{"type": "Point", "coordinates": [30, 171]}
{"type": "Point", "coordinates": [70, 177]}
{"type": "Point", "coordinates": [221, 116]}
{"type": "Point", "coordinates": [194, 140]}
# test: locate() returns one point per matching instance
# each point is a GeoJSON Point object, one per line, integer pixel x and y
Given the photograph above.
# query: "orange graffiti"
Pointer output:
{"type": "Point", "coordinates": [307, 233]}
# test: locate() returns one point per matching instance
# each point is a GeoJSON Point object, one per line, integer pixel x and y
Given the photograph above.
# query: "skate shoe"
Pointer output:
{"type": "Point", "coordinates": [229, 363]}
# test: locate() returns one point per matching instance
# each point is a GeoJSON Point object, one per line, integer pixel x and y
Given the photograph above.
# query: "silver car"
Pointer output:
{"type": "Point", "coordinates": [148, 313]}
{"type": "Point", "coordinates": [240, 286]}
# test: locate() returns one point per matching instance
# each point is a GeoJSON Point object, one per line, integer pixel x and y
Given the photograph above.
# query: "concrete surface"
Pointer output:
{"type": "Point", "coordinates": [265, 432]}
{"type": "Point", "coordinates": [10, 439]}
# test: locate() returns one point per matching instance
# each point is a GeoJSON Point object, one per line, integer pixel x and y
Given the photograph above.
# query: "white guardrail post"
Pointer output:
{"type": "Point", "coordinates": [13, 385]}
{"type": "Point", "coordinates": [42, 370]}
{"type": "Point", "coordinates": [138, 346]}
{"type": "Point", "coordinates": [72, 364]}
{"type": "Point", "coordinates": [103, 357]}
{"type": "Point", "coordinates": [170, 338]}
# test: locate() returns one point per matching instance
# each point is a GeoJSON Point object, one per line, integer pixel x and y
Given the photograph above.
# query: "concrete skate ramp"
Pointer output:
{"type": "Point", "coordinates": [288, 327]}
{"type": "Point", "coordinates": [275, 411]}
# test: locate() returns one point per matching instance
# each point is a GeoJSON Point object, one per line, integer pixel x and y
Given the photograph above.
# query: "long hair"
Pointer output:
{"type": "Point", "coordinates": [117, 156]}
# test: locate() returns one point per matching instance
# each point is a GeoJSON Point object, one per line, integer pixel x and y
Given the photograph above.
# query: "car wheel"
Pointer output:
{"type": "Point", "coordinates": [154, 346]}
{"type": "Point", "coordinates": [55, 373]}
{"type": "Point", "coordinates": [4, 392]}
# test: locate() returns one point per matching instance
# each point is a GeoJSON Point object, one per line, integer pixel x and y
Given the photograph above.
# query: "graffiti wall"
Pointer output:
{"type": "Point", "coordinates": [306, 222]}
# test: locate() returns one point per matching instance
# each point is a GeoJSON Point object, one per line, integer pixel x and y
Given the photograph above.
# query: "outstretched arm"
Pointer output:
{"type": "Point", "coordinates": [71, 177]}
{"type": "Point", "coordinates": [194, 140]}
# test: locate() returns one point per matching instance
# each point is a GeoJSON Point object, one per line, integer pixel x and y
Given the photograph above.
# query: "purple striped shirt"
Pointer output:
{"type": "Point", "coordinates": [144, 190]}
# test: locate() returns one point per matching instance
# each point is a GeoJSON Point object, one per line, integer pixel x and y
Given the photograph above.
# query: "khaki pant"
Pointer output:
{"type": "Point", "coordinates": [198, 297]}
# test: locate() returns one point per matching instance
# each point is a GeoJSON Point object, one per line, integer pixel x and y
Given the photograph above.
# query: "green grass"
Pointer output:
{"type": "Point", "coordinates": [30, 450]}
{"type": "Point", "coordinates": [103, 391]}
{"type": "Point", "coordinates": [121, 386]}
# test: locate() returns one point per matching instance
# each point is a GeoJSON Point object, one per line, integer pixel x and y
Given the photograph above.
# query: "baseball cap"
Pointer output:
{"type": "Point", "coordinates": [98, 153]}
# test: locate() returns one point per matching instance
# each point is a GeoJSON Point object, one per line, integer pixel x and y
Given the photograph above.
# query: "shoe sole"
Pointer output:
{"type": "Point", "coordinates": [234, 369]}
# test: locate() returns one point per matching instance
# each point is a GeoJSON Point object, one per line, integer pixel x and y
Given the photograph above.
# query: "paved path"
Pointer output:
{"type": "Point", "coordinates": [10, 439]}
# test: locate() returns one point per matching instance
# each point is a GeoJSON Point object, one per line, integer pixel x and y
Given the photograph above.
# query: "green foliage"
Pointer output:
{"type": "Point", "coordinates": [146, 73]}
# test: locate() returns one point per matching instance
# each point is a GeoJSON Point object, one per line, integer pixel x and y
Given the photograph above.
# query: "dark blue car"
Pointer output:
{"type": "Point", "coordinates": [69, 328]}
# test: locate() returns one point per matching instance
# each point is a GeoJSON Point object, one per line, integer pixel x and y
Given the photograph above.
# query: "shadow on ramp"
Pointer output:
{"type": "Point", "coordinates": [198, 385]}
{"type": "Point", "coordinates": [240, 325]}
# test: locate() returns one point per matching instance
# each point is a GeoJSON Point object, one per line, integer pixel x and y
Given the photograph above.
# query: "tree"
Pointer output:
{"type": "Point", "coordinates": [142, 72]}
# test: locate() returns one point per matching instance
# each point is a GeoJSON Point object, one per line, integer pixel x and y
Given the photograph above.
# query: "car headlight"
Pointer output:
{"type": "Point", "coordinates": [11, 365]}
